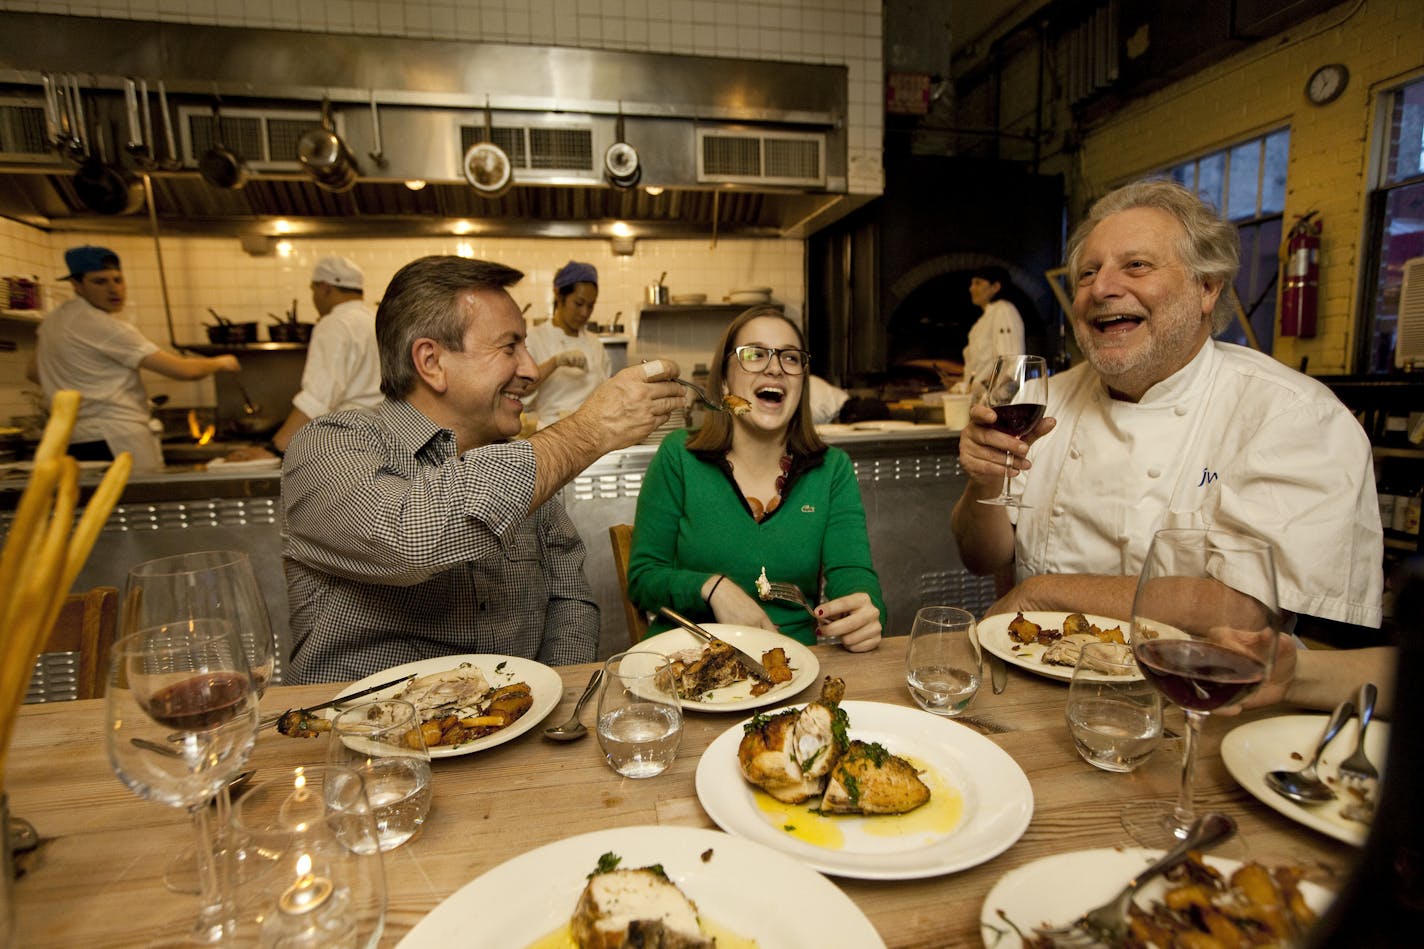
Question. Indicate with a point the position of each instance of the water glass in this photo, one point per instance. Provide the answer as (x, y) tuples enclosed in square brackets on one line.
[(310, 861), (639, 714), (944, 665), (1114, 715), (382, 742)]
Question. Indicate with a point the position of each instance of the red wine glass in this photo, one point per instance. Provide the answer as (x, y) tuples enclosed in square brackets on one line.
[(1205, 621), (1018, 394), (182, 717)]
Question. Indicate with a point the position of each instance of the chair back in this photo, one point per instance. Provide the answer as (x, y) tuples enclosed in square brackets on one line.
[(621, 537), (75, 660)]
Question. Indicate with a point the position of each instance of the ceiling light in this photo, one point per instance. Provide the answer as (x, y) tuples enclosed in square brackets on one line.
[(462, 227), (282, 226), (464, 249), (653, 190), (415, 184)]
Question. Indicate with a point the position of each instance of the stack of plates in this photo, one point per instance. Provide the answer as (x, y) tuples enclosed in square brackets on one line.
[(689, 299), (750, 295)]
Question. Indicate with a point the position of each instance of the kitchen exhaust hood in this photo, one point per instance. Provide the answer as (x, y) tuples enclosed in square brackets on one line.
[(724, 146)]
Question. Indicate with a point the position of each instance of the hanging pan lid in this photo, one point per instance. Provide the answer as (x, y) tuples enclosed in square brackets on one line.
[(620, 161), (487, 168)]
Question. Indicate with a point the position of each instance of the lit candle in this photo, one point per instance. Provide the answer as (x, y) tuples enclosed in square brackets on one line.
[(307, 893)]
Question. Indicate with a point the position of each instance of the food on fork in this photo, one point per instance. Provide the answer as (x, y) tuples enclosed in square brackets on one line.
[(736, 404), (635, 907), (763, 585)]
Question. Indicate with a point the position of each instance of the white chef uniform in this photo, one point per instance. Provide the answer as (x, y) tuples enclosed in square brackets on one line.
[(343, 368), (998, 332), (566, 387), (1233, 440)]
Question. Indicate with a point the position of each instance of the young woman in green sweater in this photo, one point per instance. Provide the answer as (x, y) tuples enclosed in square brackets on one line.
[(755, 491)]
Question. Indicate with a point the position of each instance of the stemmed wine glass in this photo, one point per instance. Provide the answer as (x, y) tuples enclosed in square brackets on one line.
[(182, 717), (1018, 394), (209, 584), (1205, 622)]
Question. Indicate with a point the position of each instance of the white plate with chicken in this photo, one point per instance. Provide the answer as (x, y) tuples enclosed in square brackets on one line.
[(719, 686), (995, 636), (740, 890), (974, 803), (440, 684), (1053, 891)]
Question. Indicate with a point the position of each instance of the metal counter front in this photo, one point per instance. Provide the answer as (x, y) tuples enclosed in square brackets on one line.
[(909, 480)]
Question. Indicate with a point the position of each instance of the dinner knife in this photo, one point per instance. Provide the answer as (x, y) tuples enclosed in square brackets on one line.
[(998, 672), (747, 659), (274, 719)]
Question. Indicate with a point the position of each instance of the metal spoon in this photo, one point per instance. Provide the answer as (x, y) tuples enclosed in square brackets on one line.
[(573, 729), (1305, 785), (248, 406)]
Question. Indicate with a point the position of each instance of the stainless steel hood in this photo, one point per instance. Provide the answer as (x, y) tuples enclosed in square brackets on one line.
[(735, 146)]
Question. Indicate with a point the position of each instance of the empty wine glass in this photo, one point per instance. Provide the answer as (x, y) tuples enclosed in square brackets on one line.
[(1018, 394), (209, 584), (1205, 622), (182, 717)]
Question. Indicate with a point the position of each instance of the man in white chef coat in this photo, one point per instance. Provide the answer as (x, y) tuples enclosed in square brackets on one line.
[(343, 369), (422, 530), (1164, 426)]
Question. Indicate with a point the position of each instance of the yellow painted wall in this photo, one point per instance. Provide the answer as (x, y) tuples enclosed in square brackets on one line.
[(1331, 147)]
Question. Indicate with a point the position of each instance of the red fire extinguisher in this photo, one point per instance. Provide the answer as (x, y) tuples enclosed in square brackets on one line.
[(1301, 288)]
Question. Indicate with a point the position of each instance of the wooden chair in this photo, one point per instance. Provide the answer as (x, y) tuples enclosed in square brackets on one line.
[(86, 626), (621, 537)]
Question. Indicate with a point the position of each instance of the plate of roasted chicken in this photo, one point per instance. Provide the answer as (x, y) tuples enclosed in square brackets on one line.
[(470, 703), (865, 789), (1049, 643), (712, 679), (647, 886)]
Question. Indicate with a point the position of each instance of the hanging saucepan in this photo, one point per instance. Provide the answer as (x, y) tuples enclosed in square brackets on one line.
[(323, 154), (486, 165), (101, 188), (219, 166), (620, 161)]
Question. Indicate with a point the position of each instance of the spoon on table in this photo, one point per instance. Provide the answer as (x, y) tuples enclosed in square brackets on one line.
[(1305, 785), (573, 729)]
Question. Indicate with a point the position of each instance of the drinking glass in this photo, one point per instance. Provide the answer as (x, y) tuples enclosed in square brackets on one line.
[(311, 858), (944, 665), (382, 742), (1204, 626), (182, 717), (1114, 716), (639, 714), (1018, 394), (209, 584)]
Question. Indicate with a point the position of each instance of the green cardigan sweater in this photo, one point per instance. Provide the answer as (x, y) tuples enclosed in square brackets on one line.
[(693, 522)]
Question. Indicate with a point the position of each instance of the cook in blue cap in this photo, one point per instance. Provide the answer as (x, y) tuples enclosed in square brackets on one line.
[(87, 259), (571, 359)]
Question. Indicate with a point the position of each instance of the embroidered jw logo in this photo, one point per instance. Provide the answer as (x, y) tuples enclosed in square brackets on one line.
[(1208, 476)]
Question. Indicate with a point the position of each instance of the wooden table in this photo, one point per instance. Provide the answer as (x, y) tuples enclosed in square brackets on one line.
[(96, 878)]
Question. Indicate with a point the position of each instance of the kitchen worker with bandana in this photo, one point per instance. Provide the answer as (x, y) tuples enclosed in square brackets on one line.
[(1165, 427), (572, 361)]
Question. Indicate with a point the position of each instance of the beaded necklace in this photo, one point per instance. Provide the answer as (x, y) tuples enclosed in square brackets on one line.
[(760, 510)]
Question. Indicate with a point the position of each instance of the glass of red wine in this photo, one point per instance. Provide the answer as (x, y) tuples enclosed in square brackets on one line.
[(182, 718), (1018, 394), (1205, 621)]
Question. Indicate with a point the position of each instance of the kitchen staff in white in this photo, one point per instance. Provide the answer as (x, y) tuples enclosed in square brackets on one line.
[(572, 361), (343, 369), (999, 331), (1165, 427), (86, 345)]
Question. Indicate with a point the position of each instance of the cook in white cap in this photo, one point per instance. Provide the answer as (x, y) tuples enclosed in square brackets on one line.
[(86, 345), (343, 369), (572, 361)]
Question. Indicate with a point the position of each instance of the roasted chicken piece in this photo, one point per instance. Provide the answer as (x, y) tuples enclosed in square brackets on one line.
[(870, 780), (299, 723), (778, 670), (789, 754), (626, 909), (1066, 651), (1022, 630), (736, 404), (711, 667)]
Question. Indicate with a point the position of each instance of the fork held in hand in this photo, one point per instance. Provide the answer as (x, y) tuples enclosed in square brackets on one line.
[(1107, 925), (701, 395), (790, 593)]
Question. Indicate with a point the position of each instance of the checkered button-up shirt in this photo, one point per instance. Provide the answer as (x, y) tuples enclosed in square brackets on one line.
[(398, 549)]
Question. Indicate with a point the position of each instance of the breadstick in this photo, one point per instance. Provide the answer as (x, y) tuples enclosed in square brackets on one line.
[(63, 409), (25, 531)]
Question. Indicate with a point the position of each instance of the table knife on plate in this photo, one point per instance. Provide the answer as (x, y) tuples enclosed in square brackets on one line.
[(998, 672), (752, 664), (271, 720)]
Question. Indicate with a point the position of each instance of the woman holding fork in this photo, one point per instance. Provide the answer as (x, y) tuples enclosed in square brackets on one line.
[(757, 490)]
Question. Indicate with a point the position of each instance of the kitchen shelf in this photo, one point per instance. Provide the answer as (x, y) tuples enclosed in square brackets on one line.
[(209, 349), (23, 316), (1385, 452), (710, 309)]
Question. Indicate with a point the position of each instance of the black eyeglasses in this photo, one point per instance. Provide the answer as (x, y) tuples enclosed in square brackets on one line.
[(793, 362)]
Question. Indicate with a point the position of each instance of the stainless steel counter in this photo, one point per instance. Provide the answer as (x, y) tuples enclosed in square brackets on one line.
[(909, 480)]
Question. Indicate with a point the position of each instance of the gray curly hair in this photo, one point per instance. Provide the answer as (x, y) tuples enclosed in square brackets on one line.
[(1209, 247)]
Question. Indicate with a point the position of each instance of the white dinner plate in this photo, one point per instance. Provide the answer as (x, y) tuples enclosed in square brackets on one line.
[(993, 792), (886, 425), (738, 886), (255, 464), (1054, 891), (994, 636), (1251, 750), (544, 684), (805, 668)]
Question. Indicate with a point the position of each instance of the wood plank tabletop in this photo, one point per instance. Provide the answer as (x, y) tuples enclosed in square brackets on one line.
[(96, 879)]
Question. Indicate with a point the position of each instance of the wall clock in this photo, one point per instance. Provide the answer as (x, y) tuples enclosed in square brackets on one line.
[(1327, 83)]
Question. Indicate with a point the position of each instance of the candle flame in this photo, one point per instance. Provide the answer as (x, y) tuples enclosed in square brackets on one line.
[(304, 864)]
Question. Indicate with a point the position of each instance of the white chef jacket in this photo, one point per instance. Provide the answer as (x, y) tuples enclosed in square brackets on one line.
[(343, 369), (1233, 440), (81, 347), (566, 387), (999, 331)]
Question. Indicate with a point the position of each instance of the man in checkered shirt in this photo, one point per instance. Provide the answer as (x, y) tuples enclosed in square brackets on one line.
[(422, 530)]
